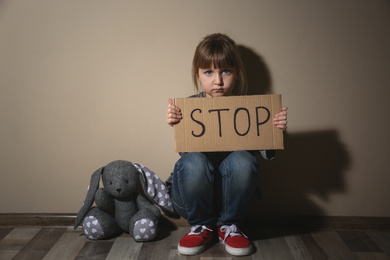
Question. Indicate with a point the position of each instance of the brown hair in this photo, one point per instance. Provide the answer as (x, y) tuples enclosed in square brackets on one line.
[(222, 52)]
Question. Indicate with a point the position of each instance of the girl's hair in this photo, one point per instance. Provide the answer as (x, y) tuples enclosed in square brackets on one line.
[(222, 52)]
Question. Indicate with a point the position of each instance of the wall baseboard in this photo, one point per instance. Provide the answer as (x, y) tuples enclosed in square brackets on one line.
[(37, 219), (321, 223), (271, 222)]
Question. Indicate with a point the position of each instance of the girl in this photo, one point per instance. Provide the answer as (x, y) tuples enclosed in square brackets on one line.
[(212, 191)]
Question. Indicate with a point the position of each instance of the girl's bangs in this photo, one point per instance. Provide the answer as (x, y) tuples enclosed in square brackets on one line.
[(219, 60)]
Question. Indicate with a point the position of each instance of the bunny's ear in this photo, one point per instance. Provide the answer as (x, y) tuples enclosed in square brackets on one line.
[(89, 197), (154, 188)]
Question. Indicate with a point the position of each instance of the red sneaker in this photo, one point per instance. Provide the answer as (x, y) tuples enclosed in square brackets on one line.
[(236, 243), (196, 240)]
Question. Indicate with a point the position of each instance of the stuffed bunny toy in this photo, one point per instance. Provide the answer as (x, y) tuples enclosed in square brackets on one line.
[(119, 207)]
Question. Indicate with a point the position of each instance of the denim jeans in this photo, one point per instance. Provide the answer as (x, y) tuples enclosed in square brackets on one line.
[(214, 188)]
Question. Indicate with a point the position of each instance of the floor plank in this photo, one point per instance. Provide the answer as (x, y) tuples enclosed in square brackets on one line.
[(382, 239), (15, 240), (124, 247), (68, 246), (333, 245), (4, 232), (159, 249), (97, 250), (216, 250), (175, 238), (40, 244), (273, 248), (372, 256), (298, 248), (66, 243), (358, 241), (217, 258), (18, 238), (314, 249)]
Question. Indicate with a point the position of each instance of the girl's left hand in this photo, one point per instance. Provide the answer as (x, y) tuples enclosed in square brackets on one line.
[(280, 119)]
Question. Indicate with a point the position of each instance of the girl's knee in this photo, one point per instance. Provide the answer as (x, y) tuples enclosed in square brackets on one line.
[(240, 168), (194, 157), (193, 172), (242, 161), (193, 163)]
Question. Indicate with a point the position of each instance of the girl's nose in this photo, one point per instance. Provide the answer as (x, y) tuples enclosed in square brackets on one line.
[(218, 79)]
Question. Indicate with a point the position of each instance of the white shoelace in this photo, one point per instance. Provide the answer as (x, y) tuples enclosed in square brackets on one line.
[(231, 230), (198, 229)]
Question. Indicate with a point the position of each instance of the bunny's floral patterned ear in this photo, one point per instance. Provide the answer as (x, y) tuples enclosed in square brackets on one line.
[(154, 188)]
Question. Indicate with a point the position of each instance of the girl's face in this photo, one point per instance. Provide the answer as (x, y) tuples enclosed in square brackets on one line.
[(217, 82)]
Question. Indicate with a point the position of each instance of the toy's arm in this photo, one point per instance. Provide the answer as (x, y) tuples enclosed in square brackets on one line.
[(104, 201), (143, 203)]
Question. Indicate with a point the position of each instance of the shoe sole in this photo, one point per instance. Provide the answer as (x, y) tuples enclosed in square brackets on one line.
[(190, 250), (236, 251)]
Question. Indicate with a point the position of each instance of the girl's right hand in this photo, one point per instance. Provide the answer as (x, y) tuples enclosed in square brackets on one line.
[(173, 113)]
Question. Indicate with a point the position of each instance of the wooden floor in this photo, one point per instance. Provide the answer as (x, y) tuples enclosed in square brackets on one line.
[(66, 243)]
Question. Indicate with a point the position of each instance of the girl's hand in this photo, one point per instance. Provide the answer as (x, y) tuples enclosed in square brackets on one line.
[(280, 119), (173, 113)]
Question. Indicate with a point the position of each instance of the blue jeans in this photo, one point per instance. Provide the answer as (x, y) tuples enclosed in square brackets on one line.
[(214, 188)]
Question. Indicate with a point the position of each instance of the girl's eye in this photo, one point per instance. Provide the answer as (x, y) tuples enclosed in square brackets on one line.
[(226, 71), (208, 72)]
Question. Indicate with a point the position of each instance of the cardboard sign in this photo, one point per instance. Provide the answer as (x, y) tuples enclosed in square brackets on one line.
[(228, 124)]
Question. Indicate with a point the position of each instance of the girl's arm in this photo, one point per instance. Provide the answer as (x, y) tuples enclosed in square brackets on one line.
[(173, 113), (280, 119)]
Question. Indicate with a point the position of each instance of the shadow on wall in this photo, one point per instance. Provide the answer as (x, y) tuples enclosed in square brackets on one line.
[(258, 76), (312, 163)]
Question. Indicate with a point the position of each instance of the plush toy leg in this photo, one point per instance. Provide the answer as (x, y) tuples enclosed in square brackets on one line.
[(143, 226), (100, 225), (145, 229)]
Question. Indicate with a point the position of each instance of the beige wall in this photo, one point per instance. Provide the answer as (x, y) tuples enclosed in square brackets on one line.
[(86, 82)]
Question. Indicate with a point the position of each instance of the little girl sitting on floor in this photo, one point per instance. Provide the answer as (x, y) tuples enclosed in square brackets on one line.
[(213, 190)]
